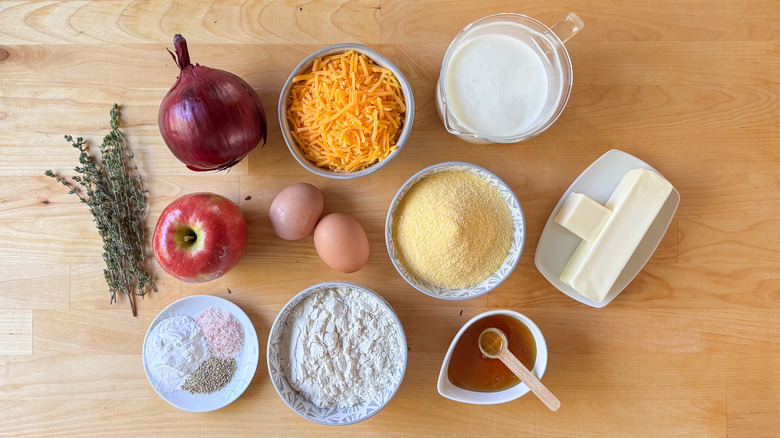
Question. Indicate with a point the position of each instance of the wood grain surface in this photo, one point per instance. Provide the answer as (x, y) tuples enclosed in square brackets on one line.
[(689, 349)]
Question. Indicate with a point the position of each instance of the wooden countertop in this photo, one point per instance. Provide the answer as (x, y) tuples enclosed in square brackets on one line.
[(690, 348)]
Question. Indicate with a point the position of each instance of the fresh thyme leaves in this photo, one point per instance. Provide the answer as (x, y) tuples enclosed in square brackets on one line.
[(111, 187)]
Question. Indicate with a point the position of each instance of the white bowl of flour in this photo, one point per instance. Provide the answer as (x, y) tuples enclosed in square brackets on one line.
[(336, 353)]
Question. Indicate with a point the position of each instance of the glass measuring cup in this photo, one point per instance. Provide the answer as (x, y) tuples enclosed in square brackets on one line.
[(505, 78)]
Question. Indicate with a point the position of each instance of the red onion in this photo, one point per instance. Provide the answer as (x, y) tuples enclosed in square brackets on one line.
[(210, 119)]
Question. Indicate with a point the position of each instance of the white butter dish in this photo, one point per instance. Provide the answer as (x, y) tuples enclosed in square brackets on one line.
[(598, 181)]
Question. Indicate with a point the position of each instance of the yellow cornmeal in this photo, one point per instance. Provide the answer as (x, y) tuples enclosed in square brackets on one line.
[(452, 229)]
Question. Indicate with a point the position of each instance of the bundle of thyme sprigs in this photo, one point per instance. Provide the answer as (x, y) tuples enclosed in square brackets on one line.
[(111, 187)]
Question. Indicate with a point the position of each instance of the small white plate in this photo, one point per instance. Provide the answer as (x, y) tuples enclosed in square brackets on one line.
[(598, 181), (246, 362)]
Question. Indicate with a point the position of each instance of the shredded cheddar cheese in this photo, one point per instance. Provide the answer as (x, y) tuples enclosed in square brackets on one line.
[(346, 112)]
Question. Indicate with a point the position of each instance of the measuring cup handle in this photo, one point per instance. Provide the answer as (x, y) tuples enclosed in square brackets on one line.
[(568, 27)]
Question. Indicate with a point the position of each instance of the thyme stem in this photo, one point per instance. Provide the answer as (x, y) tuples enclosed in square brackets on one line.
[(111, 187)]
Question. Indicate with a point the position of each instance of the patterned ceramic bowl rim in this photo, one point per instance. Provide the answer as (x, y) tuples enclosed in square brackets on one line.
[(299, 404), (379, 60), (515, 250)]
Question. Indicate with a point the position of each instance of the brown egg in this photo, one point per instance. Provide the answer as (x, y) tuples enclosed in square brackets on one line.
[(295, 211), (341, 242)]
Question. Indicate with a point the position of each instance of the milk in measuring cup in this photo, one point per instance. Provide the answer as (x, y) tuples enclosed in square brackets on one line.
[(497, 85)]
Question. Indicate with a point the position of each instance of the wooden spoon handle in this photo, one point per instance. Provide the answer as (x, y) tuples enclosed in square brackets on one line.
[(534, 384)]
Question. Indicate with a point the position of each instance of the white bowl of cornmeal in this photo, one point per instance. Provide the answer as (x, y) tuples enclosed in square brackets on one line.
[(455, 231)]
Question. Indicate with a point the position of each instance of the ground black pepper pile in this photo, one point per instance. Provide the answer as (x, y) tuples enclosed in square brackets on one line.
[(211, 376)]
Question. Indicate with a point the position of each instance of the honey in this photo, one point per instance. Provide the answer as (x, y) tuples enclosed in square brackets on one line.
[(470, 369)]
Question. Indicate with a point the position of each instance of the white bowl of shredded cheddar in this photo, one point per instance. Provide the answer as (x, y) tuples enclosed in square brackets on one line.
[(345, 111), (455, 231)]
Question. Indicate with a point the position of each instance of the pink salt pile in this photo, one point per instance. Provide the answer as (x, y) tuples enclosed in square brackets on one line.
[(223, 331)]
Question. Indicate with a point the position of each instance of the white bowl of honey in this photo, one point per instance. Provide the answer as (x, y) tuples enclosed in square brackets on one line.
[(467, 376)]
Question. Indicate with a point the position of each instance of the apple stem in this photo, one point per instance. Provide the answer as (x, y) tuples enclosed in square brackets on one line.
[(189, 237)]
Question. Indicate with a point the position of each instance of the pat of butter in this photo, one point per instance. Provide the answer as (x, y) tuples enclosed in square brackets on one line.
[(594, 266), (583, 216)]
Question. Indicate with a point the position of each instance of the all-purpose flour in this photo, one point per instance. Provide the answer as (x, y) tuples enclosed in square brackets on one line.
[(343, 347), (174, 349)]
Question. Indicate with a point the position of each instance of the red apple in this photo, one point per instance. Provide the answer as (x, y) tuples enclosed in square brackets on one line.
[(199, 237)]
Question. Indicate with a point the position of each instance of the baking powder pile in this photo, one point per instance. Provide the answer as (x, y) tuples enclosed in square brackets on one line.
[(343, 347), (175, 348)]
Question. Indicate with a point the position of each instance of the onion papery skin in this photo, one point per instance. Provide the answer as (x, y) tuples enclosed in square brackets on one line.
[(210, 119)]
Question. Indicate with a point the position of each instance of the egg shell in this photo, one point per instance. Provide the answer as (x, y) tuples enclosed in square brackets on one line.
[(295, 211), (341, 242)]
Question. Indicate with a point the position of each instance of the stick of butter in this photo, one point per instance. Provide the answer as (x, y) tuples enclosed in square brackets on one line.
[(583, 216), (594, 266)]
